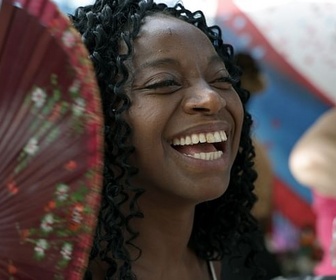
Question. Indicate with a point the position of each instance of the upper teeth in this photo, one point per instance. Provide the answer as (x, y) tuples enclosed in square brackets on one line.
[(210, 137)]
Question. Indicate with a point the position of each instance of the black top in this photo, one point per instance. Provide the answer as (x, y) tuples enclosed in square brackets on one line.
[(308, 278)]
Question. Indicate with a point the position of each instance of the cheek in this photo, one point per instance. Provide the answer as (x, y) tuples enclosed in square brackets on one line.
[(237, 111), (144, 109), (149, 115), (240, 116), (144, 120), (143, 127)]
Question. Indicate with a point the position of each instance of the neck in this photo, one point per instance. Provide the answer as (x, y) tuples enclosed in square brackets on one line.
[(164, 234), (165, 228)]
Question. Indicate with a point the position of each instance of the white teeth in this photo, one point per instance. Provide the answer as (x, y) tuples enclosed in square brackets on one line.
[(202, 138), (210, 137), (223, 135), (176, 142), (194, 138), (217, 137), (188, 140), (207, 156)]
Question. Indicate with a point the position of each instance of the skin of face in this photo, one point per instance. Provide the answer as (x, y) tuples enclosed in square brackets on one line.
[(178, 87)]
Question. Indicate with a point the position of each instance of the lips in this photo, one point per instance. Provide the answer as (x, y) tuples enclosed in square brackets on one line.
[(203, 146)]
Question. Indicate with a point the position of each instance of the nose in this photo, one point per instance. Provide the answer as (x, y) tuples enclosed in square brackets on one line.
[(203, 99)]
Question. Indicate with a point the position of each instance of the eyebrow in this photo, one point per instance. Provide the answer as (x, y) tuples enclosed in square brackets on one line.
[(170, 61), (158, 62)]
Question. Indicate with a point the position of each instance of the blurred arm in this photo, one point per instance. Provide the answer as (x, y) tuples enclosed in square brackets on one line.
[(313, 158)]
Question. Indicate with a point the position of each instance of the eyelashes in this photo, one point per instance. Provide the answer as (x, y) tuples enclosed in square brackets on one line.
[(171, 85), (228, 79), (168, 83), (162, 84), (224, 83)]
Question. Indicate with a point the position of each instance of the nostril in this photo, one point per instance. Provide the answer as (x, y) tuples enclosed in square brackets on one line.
[(200, 109)]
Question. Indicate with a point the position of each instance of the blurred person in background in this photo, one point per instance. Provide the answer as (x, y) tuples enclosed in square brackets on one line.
[(313, 164)]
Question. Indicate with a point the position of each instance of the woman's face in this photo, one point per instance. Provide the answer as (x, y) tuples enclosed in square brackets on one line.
[(185, 116)]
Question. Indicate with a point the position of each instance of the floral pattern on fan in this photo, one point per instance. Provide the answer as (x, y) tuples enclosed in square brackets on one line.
[(39, 97), (48, 109), (65, 208), (56, 214), (57, 238)]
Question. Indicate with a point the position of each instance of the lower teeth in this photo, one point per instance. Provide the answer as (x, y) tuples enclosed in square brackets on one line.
[(207, 156)]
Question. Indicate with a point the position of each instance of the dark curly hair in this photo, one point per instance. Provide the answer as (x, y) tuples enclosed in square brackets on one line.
[(219, 224)]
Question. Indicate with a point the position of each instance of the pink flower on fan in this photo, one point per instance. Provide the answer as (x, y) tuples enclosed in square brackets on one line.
[(12, 270), (12, 187), (68, 39), (50, 206), (39, 97), (56, 112), (24, 234), (32, 147), (71, 165)]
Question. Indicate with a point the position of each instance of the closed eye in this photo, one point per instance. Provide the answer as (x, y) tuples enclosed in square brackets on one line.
[(162, 84), (224, 82)]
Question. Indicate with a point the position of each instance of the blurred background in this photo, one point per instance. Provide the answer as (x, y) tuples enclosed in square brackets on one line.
[(292, 44), (68, 6)]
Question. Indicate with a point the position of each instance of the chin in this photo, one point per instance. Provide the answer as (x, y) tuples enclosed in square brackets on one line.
[(213, 192)]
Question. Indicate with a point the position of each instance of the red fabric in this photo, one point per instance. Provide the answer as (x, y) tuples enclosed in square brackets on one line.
[(291, 205)]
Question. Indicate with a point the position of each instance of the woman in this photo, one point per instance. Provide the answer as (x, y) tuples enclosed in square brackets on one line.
[(178, 156)]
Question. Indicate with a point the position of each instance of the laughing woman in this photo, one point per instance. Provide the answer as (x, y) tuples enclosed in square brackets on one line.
[(178, 156)]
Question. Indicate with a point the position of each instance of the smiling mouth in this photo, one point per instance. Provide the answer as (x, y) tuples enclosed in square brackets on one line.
[(203, 146)]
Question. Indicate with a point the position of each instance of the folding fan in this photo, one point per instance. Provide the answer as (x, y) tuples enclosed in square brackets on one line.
[(50, 144)]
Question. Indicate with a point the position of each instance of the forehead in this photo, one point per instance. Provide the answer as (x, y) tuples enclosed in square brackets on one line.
[(164, 25), (165, 34)]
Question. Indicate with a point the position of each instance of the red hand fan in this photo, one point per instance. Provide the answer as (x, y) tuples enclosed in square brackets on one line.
[(50, 144)]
